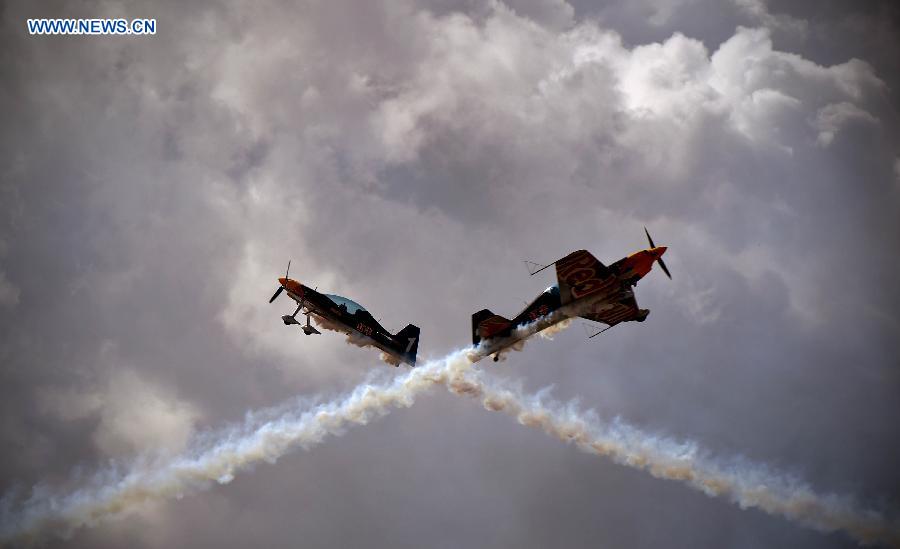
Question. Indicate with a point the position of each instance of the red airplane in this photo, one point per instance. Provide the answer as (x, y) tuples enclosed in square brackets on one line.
[(585, 288)]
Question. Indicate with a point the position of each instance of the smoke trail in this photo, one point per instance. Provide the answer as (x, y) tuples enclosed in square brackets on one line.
[(521, 334), (355, 338), (546, 326), (270, 435), (263, 437), (548, 333), (746, 484)]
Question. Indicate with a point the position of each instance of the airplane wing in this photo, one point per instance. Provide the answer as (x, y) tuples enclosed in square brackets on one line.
[(580, 274), (621, 311)]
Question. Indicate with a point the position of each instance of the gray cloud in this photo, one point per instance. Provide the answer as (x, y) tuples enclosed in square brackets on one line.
[(410, 156)]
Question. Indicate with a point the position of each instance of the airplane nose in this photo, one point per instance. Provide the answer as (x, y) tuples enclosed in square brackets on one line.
[(291, 285), (660, 250)]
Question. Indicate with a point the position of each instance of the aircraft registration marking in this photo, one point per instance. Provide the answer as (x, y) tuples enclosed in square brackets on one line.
[(539, 312)]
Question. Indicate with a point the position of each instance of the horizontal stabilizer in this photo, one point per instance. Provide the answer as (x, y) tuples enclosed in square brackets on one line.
[(486, 324)]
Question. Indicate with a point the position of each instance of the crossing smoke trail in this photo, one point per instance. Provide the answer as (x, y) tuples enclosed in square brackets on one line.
[(280, 431)]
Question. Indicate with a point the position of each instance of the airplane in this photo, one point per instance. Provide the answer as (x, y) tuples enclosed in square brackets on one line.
[(345, 315), (585, 288)]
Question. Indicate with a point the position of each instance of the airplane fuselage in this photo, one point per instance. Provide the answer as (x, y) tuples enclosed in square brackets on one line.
[(544, 316)]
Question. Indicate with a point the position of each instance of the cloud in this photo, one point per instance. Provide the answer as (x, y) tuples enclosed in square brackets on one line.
[(9, 294), (553, 14), (758, 10), (409, 155), (833, 117), (133, 416)]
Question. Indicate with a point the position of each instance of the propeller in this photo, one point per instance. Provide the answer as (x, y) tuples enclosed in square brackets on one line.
[(281, 288), (277, 293), (659, 259)]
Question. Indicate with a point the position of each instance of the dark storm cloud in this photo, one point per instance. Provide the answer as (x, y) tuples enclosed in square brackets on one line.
[(154, 189)]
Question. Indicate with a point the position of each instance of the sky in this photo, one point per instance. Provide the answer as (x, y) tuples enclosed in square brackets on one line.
[(410, 155)]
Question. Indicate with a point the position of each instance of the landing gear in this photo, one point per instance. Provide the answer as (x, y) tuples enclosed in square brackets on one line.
[(308, 329), (497, 357), (292, 319)]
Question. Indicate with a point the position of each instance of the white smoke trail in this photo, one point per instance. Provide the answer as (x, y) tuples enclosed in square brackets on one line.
[(548, 333), (265, 436), (219, 458), (355, 338), (547, 326), (260, 439), (521, 334), (747, 484)]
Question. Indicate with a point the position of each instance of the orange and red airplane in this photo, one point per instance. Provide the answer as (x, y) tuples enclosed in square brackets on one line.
[(585, 288)]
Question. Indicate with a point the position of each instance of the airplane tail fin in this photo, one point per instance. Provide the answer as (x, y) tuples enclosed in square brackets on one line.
[(408, 340), (486, 324)]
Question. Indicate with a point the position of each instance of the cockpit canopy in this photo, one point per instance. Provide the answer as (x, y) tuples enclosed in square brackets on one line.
[(351, 305)]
